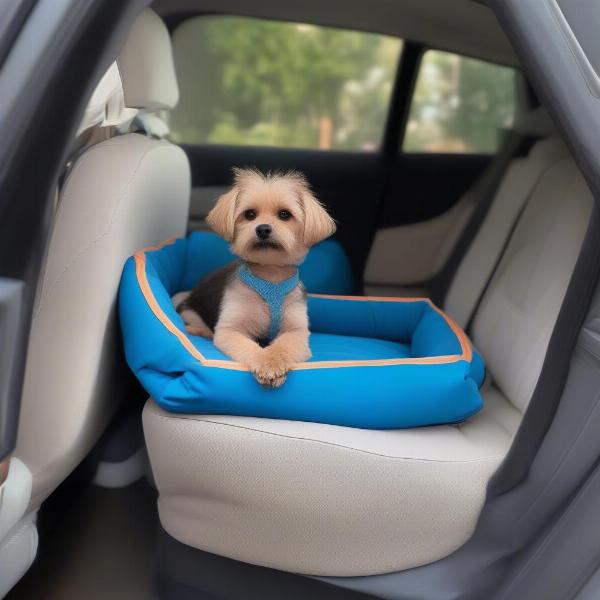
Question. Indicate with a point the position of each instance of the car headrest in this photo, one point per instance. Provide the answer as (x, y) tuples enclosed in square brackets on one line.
[(106, 107), (535, 122), (146, 65)]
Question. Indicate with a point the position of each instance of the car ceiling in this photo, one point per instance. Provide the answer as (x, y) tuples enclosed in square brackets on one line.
[(463, 26)]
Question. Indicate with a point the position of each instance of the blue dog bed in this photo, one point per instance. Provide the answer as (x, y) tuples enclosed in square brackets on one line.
[(379, 363)]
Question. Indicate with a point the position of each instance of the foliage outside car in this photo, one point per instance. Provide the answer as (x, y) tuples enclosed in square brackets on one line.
[(254, 82)]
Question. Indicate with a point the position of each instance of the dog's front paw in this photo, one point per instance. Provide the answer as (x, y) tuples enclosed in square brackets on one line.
[(272, 370), (268, 376)]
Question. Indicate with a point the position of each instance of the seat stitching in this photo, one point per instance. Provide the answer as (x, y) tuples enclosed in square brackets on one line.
[(324, 443)]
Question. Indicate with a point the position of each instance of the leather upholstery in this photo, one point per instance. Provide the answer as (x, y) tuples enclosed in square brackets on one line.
[(426, 246), (326, 500), (120, 195), (320, 499), (423, 248), (519, 182), (517, 315)]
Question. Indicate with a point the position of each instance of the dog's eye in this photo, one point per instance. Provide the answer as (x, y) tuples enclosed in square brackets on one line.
[(285, 215), (250, 215)]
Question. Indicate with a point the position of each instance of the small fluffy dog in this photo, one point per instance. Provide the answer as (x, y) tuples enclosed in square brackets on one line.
[(271, 222)]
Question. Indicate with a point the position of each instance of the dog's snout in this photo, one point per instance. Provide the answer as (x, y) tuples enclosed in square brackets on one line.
[(263, 231)]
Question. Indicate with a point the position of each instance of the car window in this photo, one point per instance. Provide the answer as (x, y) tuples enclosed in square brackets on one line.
[(459, 105), (250, 81)]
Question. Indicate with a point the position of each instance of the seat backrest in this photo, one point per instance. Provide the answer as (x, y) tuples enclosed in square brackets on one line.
[(121, 194), (518, 312), (517, 186), (404, 257)]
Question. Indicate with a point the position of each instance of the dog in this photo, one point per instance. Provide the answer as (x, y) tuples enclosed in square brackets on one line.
[(255, 309)]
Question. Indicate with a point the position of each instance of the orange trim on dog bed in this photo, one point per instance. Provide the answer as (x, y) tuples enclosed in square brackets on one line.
[(184, 340), (465, 344)]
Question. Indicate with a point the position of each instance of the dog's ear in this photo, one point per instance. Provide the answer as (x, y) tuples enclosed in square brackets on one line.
[(221, 218), (318, 225)]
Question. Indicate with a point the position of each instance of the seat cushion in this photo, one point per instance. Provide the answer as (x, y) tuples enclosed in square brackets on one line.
[(322, 499)]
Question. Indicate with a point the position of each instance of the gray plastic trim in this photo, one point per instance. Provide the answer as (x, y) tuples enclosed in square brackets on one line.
[(591, 589), (565, 559), (11, 296), (577, 13), (587, 70)]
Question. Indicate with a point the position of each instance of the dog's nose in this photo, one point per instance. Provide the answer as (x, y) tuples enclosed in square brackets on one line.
[(263, 231)]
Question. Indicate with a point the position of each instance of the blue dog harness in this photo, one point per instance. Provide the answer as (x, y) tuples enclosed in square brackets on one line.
[(272, 293)]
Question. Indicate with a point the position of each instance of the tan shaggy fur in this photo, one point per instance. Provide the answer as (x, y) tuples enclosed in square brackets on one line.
[(244, 316)]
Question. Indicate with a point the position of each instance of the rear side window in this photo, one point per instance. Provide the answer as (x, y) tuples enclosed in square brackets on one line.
[(459, 105), (246, 81)]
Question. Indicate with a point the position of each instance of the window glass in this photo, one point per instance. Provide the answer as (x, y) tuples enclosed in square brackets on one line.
[(256, 82), (459, 105)]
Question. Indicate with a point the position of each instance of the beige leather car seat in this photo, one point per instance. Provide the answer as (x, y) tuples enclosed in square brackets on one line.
[(120, 195), (328, 500), (426, 246)]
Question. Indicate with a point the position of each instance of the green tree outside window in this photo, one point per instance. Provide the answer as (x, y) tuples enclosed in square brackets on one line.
[(246, 81), (256, 82), (459, 105)]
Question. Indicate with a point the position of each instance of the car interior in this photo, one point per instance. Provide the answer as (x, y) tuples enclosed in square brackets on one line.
[(423, 129)]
